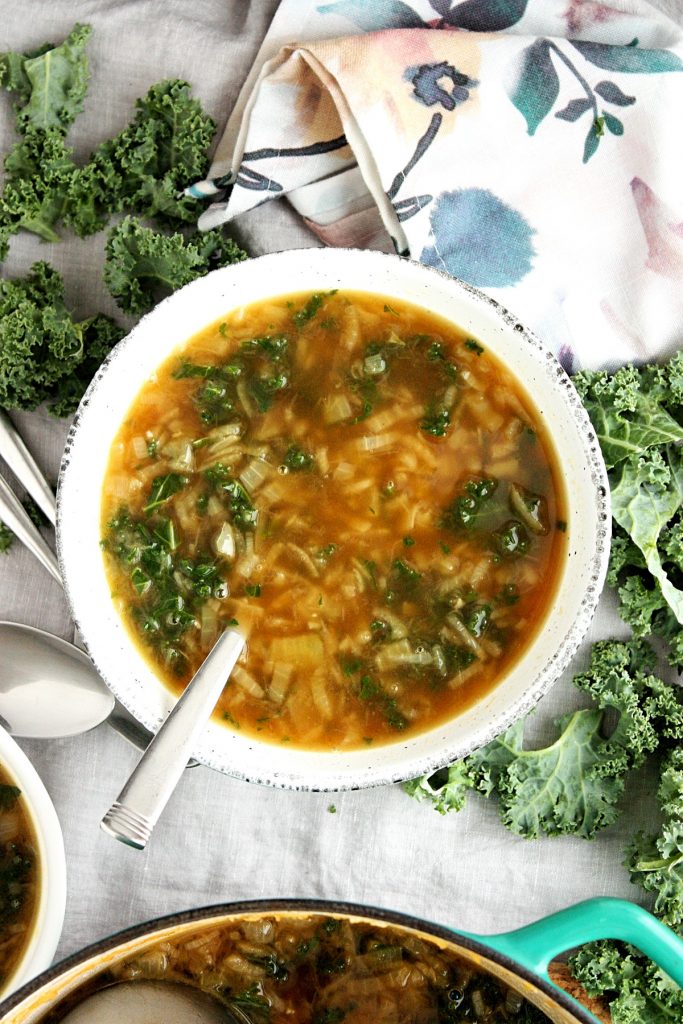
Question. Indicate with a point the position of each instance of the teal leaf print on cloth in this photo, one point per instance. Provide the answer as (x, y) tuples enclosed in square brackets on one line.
[(473, 15), (485, 15), (375, 15), (629, 59), (611, 92), (538, 86), (479, 238)]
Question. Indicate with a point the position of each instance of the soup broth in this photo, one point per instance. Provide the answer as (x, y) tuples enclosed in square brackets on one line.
[(323, 970), (18, 877), (359, 487)]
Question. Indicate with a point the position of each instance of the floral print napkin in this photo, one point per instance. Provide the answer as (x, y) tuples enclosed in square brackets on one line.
[(530, 147)]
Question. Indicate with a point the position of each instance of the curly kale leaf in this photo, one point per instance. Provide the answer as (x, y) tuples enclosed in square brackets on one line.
[(6, 538), (647, 492), (627, 408), (39, 171), (49, 84), (145, 168), (446, 789), (573, 786), (44, 354), (636, 990), (655, 862), (37, 517), (143, 265)]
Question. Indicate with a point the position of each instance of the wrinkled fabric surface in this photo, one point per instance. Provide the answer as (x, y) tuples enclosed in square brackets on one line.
[(524, 147), (220, 839)]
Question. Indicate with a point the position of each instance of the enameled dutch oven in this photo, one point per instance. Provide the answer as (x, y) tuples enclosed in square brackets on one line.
[(519, 958)]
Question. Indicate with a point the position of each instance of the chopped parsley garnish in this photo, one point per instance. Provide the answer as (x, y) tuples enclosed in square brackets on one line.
[(474, 346)]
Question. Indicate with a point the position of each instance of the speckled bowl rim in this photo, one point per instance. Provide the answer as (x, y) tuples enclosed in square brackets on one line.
[(565, 649), (145, 930)]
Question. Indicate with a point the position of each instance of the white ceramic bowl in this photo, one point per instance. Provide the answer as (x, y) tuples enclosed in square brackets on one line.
[(205, 301), (49, 917)]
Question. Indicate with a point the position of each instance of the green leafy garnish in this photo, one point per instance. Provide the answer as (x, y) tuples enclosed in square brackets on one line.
[(573, 786), (6, 538), (50, 84), (163, 488), (221, 480), (435, 421), (45, 355), (307, 312), (143, 266), (465, 511), (297, 459), (370, 690), (631, 410)]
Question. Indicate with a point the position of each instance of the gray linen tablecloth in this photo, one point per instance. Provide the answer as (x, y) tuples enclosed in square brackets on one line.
[(221, 839)]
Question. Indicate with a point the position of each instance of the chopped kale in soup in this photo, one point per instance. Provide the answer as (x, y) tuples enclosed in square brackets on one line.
[(18, 877), (358, 486), (323, 970)]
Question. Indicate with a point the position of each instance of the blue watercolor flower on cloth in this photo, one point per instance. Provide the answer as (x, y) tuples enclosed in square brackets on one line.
[(537, 84), (479, 238), (440, 83)]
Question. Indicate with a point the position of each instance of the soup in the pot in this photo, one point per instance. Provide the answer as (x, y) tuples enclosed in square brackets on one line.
[(358, 486), (18, 877), (323, 970)]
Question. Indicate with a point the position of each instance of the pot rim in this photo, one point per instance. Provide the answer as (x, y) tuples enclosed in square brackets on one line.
[(407, 762), (146, 929)]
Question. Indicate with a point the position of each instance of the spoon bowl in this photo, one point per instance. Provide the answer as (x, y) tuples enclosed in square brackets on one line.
[(145, 1002), (48, 687)]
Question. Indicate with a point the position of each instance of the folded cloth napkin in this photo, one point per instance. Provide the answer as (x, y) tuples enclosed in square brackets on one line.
[(530, 147)]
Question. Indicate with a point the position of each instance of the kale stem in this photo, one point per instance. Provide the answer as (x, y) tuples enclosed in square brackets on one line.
[(578, 76)]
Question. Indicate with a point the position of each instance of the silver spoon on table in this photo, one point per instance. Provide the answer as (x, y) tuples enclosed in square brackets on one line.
[(139, 1002), (48, 687)]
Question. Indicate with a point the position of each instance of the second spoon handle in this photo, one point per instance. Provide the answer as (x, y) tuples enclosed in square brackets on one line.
[(140, 803), (17, 519), (23, 465)]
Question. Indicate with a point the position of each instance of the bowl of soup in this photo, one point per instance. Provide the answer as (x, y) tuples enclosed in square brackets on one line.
[(32, 870), (374, 472), (299, 961)]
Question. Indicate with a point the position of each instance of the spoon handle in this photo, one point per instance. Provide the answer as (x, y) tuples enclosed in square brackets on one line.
[(16, 518), (23, 465), (140, 803)]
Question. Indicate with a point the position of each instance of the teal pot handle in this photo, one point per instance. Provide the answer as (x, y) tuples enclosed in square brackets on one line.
[(604, 918)]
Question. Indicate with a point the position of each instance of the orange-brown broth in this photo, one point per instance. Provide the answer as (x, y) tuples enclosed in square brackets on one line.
[(299, 680), (18, 877)]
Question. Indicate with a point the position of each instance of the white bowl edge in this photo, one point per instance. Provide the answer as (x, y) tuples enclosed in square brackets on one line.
[(170, 325)]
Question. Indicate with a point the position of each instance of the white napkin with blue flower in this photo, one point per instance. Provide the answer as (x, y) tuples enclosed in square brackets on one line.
[(530, 147)]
